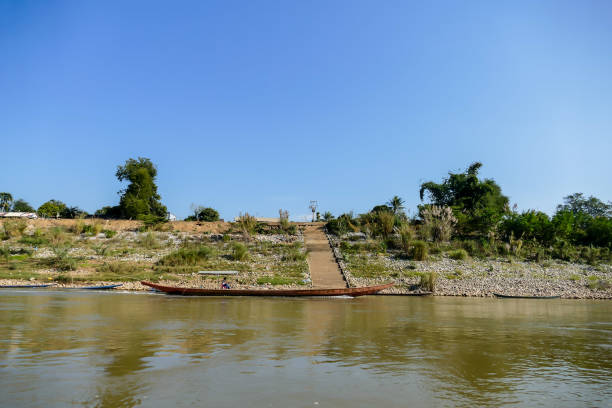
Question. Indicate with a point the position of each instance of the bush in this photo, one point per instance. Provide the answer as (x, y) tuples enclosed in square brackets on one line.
[(148, 241), (62, 279), (108, 233), (406, 234), (13, 228), (187, 256), (36, 239), (420, 251), (428, 281), (239, 252), (62, 261), (118, 268), (247, 223), (458, 254), (294, 253)]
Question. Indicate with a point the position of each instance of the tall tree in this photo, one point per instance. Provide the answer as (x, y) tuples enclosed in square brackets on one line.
[(592, 206), (52, 209), (22, 205), (140, 198), (477, 204), (397, 204), (6, 199)]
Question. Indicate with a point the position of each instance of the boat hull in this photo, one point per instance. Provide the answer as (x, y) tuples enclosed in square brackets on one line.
[(499, 295), (24, 286), (105, 287), (353, 292)]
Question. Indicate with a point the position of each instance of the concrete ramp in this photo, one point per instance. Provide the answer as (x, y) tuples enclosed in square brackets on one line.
[(324, 270)]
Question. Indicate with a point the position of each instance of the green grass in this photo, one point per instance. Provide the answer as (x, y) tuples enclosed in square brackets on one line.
[(458, 254)]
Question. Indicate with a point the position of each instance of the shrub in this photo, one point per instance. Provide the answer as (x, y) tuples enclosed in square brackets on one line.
[(100, 250), (428, 281), (385, 221), (594, 283), (62, 261), (187, 256), (118, 268), (226, 238), (438, 222), (294, 253), (92, 229), (239, 252), (247, 223), (36, 239), (148, 241), (420, 251), (62, 279), (13, 228), (406, 234), (458, 254), (108, 233)]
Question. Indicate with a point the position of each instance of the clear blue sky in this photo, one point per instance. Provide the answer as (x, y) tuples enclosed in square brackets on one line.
[(257, 105)]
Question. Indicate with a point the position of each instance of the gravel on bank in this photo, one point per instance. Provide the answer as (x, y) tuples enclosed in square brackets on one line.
[(484, 278)]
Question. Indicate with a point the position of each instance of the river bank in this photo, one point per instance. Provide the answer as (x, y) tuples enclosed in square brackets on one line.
[(74, 253), (476, 277)]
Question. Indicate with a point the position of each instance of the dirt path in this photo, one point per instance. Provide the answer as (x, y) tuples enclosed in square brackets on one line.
[(324, 270)]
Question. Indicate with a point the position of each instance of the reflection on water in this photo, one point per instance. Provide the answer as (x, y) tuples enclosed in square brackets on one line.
[(70, 348)]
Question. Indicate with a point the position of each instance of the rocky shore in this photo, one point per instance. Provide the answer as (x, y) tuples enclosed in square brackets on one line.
[(483, 278)]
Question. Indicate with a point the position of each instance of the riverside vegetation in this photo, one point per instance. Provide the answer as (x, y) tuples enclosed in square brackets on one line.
[(94, 251), (467, 241), (463, 240)]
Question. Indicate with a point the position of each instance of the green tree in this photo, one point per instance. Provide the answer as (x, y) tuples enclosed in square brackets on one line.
[(592, 206), (52, 209), (203, 214), (529, 225), (140, 199), (397, 205), (6, 199), (477, 204), (22, 205)]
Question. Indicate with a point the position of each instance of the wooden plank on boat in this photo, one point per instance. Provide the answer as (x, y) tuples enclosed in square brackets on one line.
[(218, 272), (499, 295), (352, 292)]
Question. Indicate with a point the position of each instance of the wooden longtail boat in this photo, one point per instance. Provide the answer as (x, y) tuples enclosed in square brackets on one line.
[(353, 292), (26, 286), (105, 287), (524, 297)]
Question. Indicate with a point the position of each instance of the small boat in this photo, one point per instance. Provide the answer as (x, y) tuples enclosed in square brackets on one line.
[(352, 292), (105, 287), (524, 297), (25, 286)]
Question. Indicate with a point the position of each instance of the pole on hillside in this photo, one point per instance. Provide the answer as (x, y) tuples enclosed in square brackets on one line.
[(313, 207)]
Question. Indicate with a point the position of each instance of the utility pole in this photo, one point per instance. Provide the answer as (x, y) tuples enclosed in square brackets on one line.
[(313, 207)]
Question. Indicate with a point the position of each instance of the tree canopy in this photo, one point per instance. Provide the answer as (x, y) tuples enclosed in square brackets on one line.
[(52, 209), (6, 199), (577, 203), (477, 204), (203, 214), (22, 205), (139, 199)]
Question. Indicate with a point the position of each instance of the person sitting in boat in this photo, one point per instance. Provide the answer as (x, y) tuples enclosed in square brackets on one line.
[(224, 284)]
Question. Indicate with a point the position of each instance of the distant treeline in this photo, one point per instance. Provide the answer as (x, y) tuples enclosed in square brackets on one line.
[(466, 208)]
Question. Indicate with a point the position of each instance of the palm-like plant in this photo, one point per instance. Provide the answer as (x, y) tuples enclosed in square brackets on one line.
[(6, 199), (396, 204)]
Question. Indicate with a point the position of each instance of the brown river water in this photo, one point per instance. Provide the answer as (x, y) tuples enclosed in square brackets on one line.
[(61, 348)]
